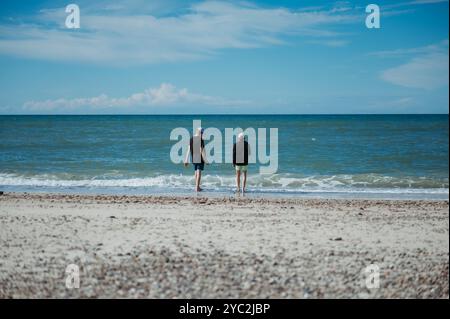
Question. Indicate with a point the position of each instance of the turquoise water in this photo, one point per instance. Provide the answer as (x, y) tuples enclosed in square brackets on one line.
[(360, 155)]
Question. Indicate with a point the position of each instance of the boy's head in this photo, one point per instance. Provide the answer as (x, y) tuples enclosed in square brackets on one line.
[(200, 130)]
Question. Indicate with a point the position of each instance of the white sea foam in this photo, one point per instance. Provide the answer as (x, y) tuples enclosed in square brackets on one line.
[(289, 183)]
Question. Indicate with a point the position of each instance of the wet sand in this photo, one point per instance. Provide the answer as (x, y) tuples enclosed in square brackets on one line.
[(195, 247)]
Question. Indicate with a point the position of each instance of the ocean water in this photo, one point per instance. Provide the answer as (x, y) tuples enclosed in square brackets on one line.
[(384, 156)]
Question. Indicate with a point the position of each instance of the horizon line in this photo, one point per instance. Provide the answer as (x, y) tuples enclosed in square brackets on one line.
[(222, 114)]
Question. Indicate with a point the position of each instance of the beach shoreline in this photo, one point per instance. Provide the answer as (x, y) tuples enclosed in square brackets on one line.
[(213, 197), (230, 192), (221, 247)]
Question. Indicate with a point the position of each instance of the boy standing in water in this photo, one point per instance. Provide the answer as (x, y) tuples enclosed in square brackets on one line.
[(198, 156), (241, 151)]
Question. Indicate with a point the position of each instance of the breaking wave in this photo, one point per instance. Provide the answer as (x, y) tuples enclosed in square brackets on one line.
[(277, 183)]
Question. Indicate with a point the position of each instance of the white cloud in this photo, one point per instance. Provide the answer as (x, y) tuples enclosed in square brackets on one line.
[(413, 3), (400, 102), (164, 95), (428, 69), (330, 43), (139, 37), (440, 47)]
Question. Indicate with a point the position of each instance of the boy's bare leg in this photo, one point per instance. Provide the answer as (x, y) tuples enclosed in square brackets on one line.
[(245, 181), (198, 177), (238, 180), (196, 180), (199, 180)]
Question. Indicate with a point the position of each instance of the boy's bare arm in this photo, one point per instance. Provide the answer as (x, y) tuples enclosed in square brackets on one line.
[(186, 160), (204, 156)]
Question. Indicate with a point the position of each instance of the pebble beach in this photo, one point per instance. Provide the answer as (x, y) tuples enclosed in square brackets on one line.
[(230, 247)]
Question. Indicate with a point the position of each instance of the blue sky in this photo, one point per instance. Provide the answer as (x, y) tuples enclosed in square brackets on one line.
[(184, 57)]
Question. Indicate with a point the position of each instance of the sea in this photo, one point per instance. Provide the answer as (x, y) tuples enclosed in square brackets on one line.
[(326, 156)]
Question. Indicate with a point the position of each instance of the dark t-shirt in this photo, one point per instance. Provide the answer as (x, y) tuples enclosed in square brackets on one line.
[(239, 147), (200, 144)]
